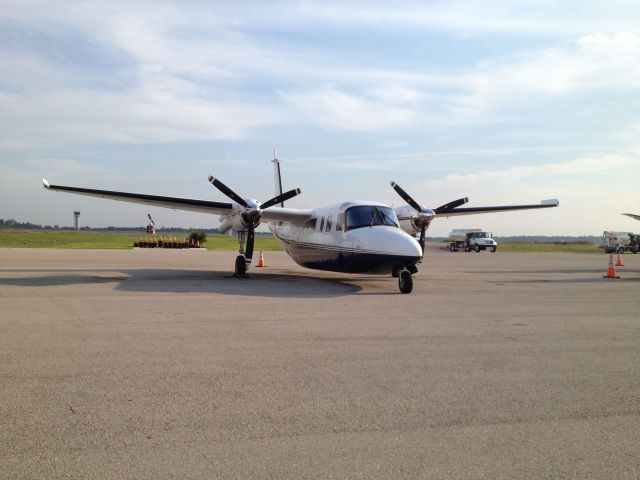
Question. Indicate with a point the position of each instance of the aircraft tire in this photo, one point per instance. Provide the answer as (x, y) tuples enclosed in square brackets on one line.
[(241, 266), (405, 281)]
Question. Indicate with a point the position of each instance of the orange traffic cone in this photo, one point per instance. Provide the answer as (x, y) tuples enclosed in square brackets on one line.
[(611, 272), (261, 261), (619, 262)]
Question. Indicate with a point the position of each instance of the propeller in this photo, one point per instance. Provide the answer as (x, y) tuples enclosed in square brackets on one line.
[(426, 214), (151, 219), (252, 213)]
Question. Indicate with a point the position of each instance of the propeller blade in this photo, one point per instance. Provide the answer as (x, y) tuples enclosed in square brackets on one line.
[(283, 197), (250, 239), (228, 192), (406, 197), (451, 205)]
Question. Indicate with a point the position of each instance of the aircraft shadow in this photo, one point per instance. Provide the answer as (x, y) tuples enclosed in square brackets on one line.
[(192, 281)]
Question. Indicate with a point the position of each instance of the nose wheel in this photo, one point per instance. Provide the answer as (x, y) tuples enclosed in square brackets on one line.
[(405, 281)]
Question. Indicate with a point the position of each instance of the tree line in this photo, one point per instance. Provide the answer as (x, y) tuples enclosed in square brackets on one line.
[(12, 224)]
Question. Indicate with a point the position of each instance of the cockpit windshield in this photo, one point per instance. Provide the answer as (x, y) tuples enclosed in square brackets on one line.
[(370, 216)]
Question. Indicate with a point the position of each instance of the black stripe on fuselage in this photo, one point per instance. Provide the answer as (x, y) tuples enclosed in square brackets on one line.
[(345, 260)]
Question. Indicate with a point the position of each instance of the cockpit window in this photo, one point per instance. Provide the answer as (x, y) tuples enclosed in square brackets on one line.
[(370, 216)]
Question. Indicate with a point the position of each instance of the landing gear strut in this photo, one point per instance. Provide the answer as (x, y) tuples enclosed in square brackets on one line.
[(244, 259)]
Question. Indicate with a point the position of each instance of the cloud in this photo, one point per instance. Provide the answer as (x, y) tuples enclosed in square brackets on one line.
[(591, 63), (148, 72), (136, 117), (334, 109), (593, 191), (591, 166), (466, 17)]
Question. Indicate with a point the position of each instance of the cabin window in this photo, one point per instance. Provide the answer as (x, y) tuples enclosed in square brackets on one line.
[(370, 216), (310, 225), (321, 225), (340, 223), (328, 225)]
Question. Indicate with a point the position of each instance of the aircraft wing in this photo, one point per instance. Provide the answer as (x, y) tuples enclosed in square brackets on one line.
[(632, 215), (286, 215), (201, 206), (502, 208)]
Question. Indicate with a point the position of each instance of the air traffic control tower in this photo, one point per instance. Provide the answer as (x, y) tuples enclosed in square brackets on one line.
[(76, 218)]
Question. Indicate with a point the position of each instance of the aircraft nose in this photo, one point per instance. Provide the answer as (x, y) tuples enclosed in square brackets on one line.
[(400, 243), (410, 246)]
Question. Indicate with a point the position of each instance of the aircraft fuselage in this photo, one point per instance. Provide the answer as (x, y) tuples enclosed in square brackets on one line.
[(353, 237)]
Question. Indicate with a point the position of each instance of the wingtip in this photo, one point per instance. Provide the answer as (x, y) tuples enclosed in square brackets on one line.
[(45, 183), (552, 202)]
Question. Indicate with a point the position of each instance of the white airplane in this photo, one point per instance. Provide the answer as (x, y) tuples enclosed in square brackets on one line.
[(350, 237)]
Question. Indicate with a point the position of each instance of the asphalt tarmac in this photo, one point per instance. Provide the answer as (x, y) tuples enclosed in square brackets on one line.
[(154, 364)]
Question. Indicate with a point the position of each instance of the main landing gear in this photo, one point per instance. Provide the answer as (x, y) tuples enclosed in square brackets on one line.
[(250, 212), (241, 267), (243, 261)]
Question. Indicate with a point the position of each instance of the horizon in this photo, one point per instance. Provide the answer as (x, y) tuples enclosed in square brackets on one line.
[(160, 229), (506, 103)]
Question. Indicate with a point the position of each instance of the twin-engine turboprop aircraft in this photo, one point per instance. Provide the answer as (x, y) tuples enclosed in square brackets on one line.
[(350, 237)]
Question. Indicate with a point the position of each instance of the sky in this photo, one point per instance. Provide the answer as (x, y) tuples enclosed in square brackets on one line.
[(503, 102)]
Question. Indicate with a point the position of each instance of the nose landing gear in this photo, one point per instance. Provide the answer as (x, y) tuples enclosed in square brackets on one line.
[(405, 281), (404, 275)]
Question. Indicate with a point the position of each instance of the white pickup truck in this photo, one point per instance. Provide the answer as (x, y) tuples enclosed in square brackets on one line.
[(468, 239)]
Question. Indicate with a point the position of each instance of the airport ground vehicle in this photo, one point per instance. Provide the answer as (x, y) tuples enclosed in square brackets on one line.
[(619, 242), (468, 239)]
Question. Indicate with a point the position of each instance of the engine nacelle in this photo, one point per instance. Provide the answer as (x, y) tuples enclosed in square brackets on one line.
[(410, 220), (238, 222)]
